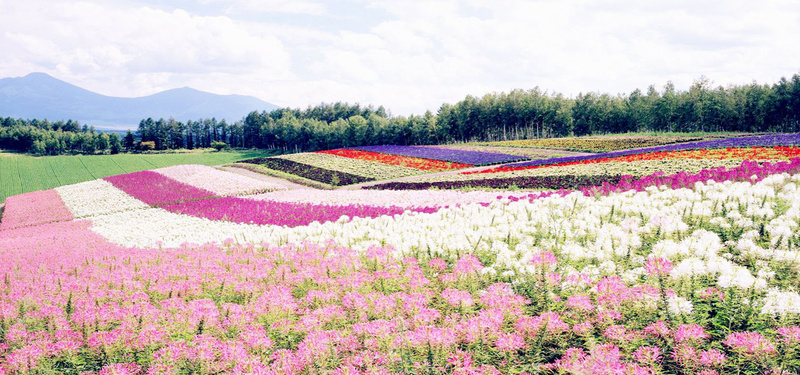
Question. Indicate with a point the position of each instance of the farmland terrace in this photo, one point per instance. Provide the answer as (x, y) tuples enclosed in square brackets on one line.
[(666, 256)]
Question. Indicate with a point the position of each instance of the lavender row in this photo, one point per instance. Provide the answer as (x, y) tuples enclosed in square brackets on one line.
[(759, 141), (444, 154)]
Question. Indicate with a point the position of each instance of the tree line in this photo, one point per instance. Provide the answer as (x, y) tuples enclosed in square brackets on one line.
[(55, 138), (518, 114)]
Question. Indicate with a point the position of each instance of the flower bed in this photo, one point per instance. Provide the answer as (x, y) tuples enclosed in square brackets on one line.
[(418, 164), (455, 156), (156, 189), (98, 197), (687, 280), (34, 208), (327, 176), (239, 210), (366, 168), (219, 182), (595, 144), (569, 182), (409, 198), (788, 140), (751, 153)]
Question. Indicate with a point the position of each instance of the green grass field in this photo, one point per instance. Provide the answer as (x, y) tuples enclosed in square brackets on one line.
[(21, 173)]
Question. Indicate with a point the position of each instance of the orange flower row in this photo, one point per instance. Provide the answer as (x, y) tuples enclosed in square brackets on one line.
[(403, 161), (751, 153)]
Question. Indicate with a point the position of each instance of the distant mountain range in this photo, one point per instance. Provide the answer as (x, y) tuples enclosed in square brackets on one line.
[(40, 96)]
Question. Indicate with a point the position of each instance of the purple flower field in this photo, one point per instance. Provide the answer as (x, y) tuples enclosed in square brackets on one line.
[(456, 156)]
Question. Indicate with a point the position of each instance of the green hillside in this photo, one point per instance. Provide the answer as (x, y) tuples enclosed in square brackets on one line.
[(22, 173)]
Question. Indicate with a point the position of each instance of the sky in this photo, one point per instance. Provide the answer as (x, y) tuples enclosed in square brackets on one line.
[(407, 55)]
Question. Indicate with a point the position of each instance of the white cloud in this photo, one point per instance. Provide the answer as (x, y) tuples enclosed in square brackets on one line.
[(408, 55)]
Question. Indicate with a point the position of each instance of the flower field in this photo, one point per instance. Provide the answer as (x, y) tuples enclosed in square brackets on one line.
[(474, 158), (595, 144), (191, 270)]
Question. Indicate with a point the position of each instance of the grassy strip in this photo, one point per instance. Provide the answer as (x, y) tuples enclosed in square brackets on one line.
[(335, 178), (278, 174), (23, 173), (569, 182)]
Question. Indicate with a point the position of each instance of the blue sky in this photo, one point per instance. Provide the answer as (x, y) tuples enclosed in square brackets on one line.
[(408, 55)]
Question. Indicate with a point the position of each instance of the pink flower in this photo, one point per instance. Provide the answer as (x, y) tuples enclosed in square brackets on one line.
[(647, 355), (544, 259), (712, 357), (438, 264), (509, 342), (467, 265), (751, 343), (121, 369), (579, 302), (582, 329), (658, 266), (790, 335), (658, 329), (458, 298), (690, 332)]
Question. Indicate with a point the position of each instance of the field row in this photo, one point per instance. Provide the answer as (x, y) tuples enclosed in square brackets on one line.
[(22, 173), (682, 273)]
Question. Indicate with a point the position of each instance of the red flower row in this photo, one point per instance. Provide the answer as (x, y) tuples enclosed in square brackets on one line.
[(403, 161)]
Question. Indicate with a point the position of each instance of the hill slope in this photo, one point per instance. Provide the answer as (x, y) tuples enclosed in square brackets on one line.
[(41, 96)]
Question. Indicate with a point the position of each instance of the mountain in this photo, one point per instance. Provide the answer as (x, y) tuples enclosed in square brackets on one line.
[(40, 96)]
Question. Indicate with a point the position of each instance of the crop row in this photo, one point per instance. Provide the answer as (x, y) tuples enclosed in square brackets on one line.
[(327, 176), (451, 155), (595, 144), (729, 153), (530, 153), (788, 140), (365, 168), (570, 182), (219, 182), (416, 163)]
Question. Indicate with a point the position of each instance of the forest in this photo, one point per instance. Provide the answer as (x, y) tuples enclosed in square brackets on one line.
[(518, 114)]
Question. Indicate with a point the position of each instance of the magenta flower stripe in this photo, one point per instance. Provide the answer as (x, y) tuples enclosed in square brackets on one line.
[(156, 189), (290, 214)]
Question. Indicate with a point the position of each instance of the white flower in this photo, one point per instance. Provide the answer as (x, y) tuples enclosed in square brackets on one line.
[(780, 303), (680, 306), (740, 277)]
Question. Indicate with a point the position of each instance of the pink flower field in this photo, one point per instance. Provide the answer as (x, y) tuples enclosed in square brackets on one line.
[(174, 273)]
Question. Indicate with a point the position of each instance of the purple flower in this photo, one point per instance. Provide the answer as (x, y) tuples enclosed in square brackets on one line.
[(451, 155)]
